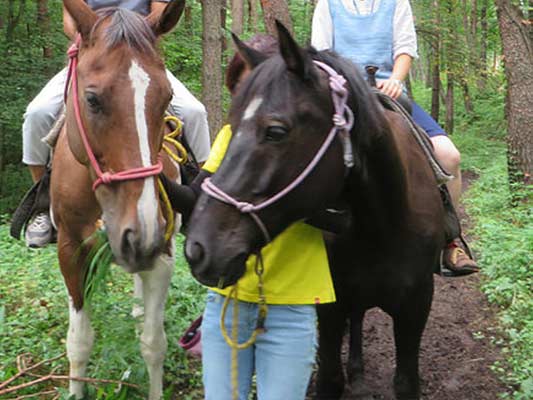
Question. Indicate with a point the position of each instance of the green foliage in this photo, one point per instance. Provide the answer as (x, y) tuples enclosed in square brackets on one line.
[(34, 318), (503, 238)]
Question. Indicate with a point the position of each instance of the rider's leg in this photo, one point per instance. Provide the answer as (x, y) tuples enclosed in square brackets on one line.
[(455, 258), (194, 116), (39, 118), (450, 159)]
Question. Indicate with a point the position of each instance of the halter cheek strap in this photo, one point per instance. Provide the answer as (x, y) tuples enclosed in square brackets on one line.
[(343, 120), (102, 177)]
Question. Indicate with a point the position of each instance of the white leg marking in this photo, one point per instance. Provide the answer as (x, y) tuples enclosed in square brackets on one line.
[(252, 108), (155, 286), (147, 205), (80, 338)]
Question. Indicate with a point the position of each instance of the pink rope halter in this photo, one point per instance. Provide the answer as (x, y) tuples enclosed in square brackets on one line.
[(102, 177), (343, 120)]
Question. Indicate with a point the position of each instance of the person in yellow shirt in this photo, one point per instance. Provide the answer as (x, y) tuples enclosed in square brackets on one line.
[(296, 277)]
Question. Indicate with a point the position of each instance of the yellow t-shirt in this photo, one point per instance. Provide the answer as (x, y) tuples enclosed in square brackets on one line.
[(296, 269)]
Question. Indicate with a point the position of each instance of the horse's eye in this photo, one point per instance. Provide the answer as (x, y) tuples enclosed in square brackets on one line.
[(276, 133), (94, 102)]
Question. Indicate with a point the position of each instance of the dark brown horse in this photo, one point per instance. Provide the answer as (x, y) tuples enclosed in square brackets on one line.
[(120, 92), (280, 119)]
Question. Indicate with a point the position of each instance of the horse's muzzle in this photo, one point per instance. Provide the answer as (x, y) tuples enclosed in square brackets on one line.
[(214, 274)]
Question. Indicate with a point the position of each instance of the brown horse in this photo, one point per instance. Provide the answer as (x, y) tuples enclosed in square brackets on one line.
[(281, 119), (121, 97)]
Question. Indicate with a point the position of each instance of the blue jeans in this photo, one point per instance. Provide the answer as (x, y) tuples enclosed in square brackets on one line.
[(282, 357)]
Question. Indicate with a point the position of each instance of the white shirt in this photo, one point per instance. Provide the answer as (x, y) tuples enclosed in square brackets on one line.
[(404, 35)]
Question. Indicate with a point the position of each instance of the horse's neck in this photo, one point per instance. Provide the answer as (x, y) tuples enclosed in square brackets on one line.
[(378, 193)]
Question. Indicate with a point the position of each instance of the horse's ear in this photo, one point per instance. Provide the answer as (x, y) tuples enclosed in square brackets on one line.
[(295, 57), (83, 16), (251, 57), (168, 19)]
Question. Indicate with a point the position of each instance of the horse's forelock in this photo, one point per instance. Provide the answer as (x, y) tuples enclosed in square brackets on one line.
[(128, 27)]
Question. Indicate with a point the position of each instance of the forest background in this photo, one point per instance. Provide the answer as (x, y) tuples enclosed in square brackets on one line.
[(474, 73)]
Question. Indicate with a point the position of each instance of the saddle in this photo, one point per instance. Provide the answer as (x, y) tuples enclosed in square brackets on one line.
[(37, 199)]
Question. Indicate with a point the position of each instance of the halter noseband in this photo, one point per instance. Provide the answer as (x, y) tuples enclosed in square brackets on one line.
[(343, 120), (102, 177)]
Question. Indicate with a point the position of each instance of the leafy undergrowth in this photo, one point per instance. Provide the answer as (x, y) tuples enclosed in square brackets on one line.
[(504, 240), (34, 319)]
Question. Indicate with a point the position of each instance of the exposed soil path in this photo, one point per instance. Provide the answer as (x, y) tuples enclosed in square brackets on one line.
[(454, 365)]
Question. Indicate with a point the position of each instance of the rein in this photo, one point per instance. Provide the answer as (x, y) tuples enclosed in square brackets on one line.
[(343, 120), (102, 177)]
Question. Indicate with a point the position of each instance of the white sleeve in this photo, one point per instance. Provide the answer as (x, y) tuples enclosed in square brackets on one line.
[(404, 35), (322, 29)]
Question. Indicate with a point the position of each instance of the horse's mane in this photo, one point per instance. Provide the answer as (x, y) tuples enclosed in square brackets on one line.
[(368, 113), (128, 27)]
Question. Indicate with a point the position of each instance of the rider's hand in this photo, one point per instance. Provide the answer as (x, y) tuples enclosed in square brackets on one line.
[(391, 87)]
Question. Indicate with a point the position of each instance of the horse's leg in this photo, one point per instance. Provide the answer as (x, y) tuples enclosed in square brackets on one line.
[(355, 365), (155, 284), (409, 323), (80, 335), (330, 378)]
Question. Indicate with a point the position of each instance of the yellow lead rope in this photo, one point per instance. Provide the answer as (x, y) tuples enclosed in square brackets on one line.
[(233, 342), (180, 157)]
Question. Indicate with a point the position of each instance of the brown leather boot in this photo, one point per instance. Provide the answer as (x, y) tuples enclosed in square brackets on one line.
[(457, 261)]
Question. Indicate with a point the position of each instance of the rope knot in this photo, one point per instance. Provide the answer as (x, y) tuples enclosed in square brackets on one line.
[(244, 207), (339, 120), (72, 51), (106, 177)]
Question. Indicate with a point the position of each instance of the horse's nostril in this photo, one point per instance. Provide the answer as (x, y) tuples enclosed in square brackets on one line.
[(195, 253)]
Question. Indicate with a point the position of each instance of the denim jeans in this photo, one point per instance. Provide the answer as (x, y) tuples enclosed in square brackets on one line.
[(282, 358)]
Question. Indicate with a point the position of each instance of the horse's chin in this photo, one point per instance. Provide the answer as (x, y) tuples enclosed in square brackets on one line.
[(224, 280), (136, 266)]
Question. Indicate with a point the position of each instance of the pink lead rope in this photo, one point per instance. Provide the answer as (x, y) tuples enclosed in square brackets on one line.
[(102, 177), (341, 125)]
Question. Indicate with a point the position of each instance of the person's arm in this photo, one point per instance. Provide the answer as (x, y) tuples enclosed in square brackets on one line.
[(394, 85), (182, 197), (404, 49), (322, 28), (69, 25)]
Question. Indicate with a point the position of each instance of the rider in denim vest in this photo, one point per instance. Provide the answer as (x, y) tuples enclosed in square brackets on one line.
[(382, 33)]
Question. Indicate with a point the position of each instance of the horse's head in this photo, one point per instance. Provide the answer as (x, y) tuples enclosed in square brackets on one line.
[(122, 93), (280, 119)]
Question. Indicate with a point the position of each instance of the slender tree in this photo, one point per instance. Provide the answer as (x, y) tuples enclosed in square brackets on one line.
[(211, 69), (237, 16)]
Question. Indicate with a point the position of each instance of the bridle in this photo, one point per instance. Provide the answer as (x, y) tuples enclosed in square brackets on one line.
[(105, 177), (343, 120)]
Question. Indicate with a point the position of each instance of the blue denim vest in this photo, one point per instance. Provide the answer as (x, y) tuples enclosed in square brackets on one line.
[(365, 39)]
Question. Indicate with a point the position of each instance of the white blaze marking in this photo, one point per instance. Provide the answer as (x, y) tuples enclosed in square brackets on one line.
[(147, 205), (252, 108)]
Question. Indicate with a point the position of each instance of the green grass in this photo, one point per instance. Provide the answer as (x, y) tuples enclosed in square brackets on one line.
[(34, 318)]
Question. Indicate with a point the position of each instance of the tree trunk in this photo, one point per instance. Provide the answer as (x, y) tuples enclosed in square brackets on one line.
[(211, 71), (252, 15), (482, 80), (276, 9), (188, 19), (237, 16), (12, 19), (469, 106), (223, 15), (518, 54), (449, 123), (43, 22)]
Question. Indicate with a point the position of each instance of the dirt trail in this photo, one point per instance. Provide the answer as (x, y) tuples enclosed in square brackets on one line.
[(453, 364)]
